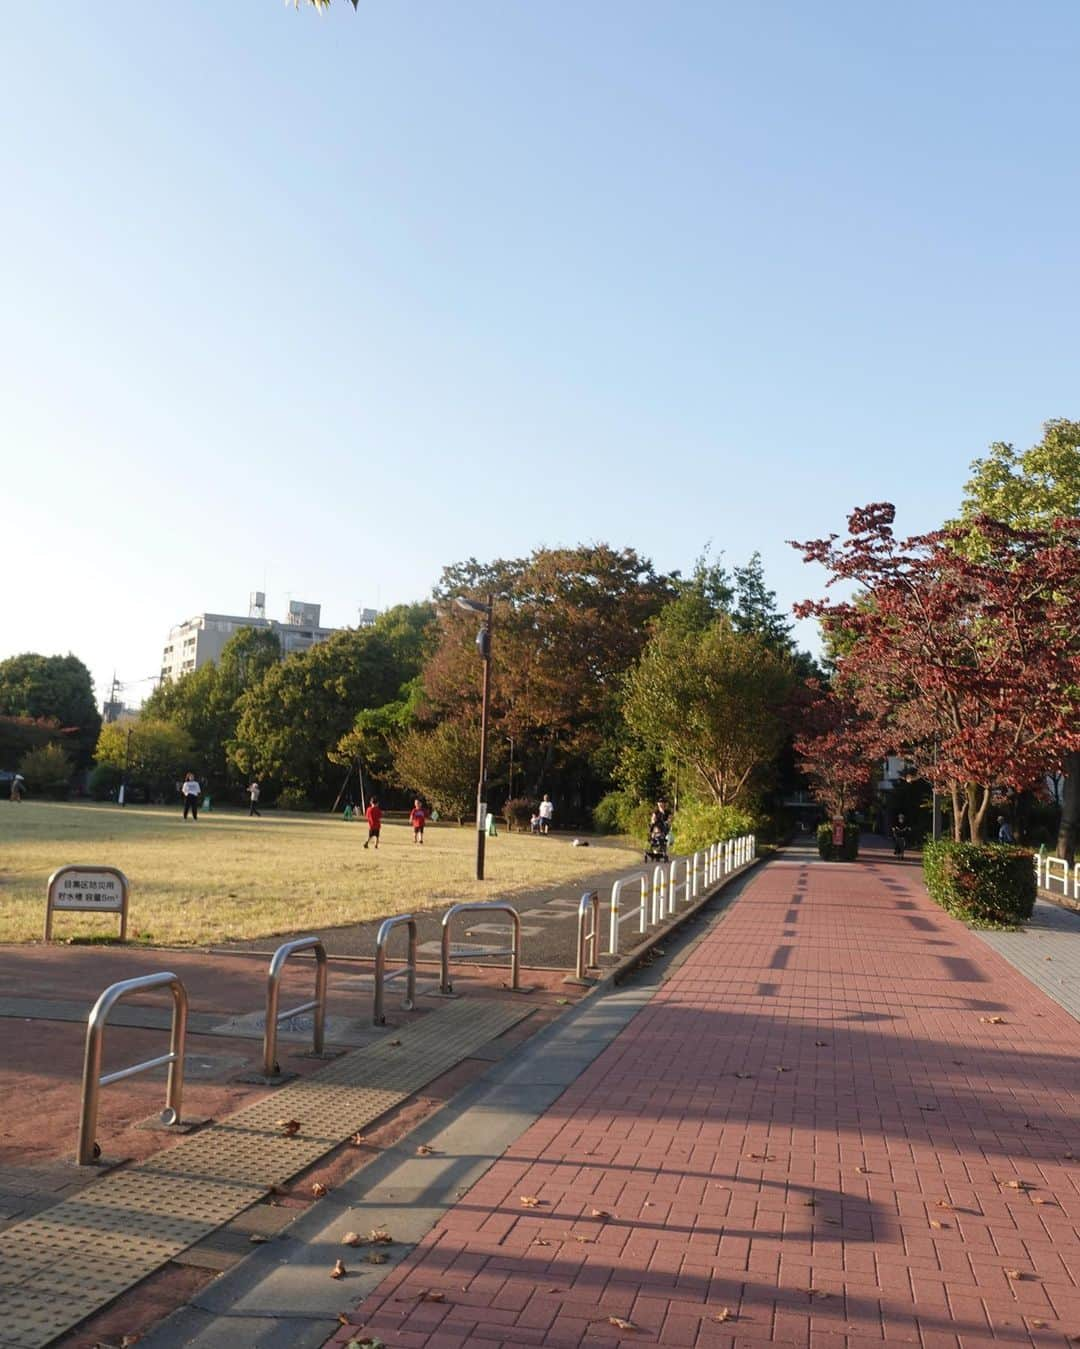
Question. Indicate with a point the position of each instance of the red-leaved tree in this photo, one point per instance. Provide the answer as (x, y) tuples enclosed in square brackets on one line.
[(837, 746), (971, 667)]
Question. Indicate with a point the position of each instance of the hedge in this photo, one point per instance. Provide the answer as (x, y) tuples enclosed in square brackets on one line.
[(984, 883), (846, 852)]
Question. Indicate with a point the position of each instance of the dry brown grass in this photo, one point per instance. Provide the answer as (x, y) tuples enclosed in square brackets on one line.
[(230, 877)]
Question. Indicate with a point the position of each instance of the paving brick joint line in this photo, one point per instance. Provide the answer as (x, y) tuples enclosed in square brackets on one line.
[(60, 1267), (871, 1139)]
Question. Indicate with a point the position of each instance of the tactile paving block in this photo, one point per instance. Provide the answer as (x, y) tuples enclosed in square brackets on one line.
[(58, 1268)]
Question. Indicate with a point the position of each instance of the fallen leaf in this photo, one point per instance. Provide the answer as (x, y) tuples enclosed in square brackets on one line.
[(934, 1223), (992, 1020), (744, 1075), (368, 1342), (1037, 1324), (394, 1043), (585, 1241), (783, 1070), (833, 1222), (1013, 1274), (338, 1272), (562, 1002), (375, 1258), (541, 1241), (318, 1190), (863, 1170), (352, 1239), (761, 1156), (927, 1107), (424, 1151), (809, 1203), (257, 1239), (379, 1236), (821, 1043), (356, 1140), (599, 1213), (1017, 1185), (724, 1314), (620, 1324), (289, 1127), (944, 1203), (530, 1201), (431, 1295), (815, 1292), (1038, 1199), (127, 1340)]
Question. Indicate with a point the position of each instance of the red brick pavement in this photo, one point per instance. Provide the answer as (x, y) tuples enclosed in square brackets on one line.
[(815, 1134)]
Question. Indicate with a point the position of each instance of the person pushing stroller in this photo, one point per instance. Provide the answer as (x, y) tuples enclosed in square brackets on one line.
[(656, 850)]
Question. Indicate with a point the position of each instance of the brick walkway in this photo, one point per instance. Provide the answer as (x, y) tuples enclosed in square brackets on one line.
[(843, 1120)]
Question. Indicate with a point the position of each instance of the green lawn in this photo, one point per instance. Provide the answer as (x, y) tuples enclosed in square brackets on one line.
[(229, 876)]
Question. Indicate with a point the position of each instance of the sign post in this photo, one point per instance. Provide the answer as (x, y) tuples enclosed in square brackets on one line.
[(87, 889)]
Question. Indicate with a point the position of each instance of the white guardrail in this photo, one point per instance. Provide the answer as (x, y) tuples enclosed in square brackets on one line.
[(682, 879), (1055, 870)]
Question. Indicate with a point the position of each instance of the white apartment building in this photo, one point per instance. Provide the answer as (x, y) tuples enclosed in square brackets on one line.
[(201, 639)]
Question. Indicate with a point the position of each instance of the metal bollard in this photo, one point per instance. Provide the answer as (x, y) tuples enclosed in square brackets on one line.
[(273, 991), (513, 951), (382, 978), (588, 942), (93, 1081)]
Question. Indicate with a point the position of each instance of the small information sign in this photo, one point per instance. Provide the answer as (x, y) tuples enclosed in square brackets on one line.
[(87, 889)]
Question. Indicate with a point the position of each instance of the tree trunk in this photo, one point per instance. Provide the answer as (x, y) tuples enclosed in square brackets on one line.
[(978, 802), (1070, 807), (959, 806)]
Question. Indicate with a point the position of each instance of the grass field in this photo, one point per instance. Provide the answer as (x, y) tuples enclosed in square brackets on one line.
[(231, 877)]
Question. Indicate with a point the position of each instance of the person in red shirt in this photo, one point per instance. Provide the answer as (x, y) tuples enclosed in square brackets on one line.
[(373, 815), (417, 818)]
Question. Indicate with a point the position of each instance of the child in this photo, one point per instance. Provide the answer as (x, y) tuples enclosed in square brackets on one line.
[(534, 823), (417, 817), (374, 822)]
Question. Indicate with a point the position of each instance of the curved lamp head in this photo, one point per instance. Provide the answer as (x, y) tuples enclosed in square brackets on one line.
[(472, 606)]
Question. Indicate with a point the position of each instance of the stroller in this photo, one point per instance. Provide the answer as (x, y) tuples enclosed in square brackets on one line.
[(656, 848)]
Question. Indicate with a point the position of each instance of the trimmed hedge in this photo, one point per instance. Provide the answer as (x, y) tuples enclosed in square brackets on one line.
[(847, 851), (984, 883)]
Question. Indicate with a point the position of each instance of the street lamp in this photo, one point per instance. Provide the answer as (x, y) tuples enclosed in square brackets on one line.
[(483, 646)]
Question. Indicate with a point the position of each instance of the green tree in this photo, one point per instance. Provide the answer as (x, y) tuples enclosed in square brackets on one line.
[(441, 766), (1030, 489), (20, 735), (47, 770), (755, 608), (55, 687), (715, 702), (205, 702), (296, 715), (155, 753)]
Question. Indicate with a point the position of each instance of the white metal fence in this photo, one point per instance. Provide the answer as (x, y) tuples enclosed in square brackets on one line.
[(651, 900), (1051, 871)]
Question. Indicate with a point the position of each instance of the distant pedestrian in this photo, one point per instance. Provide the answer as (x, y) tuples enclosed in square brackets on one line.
[(417, 818), (373, 815), (1005, 833), (17, 787), (546, 811), (254, 792), (191, 791), (534, 823)]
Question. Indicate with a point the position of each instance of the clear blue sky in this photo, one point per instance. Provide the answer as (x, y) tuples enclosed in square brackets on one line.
[(337, 300)]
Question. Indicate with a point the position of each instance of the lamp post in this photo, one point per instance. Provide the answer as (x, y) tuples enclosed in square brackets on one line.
[(127, 761), (483, 646)]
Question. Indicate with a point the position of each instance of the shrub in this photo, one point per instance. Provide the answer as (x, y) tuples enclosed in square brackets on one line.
[(519, 811), (104, 782), (294, 798), (47, 770), (846, 852), (697, 824), (622, 813), (981, 883)]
